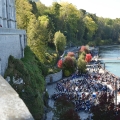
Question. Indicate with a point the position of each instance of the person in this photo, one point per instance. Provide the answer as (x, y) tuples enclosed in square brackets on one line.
[(0, 25)]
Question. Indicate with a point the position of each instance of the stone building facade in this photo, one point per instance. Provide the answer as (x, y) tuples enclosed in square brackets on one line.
[(7, 14), (12, 40)]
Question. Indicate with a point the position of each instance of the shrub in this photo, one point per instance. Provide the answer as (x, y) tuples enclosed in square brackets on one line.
[(67, 73)]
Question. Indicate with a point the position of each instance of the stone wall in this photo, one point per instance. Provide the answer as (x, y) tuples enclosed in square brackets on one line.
[(12, 106), (53, 77), (7, 14), (12, 42)]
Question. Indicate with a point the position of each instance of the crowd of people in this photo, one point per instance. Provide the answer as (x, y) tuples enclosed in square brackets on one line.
[(84, 90)]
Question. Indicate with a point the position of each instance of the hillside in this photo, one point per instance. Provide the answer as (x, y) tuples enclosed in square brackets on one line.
[(30, 70)]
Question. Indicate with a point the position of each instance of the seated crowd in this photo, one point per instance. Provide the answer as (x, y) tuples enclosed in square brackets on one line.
[(84, 90)]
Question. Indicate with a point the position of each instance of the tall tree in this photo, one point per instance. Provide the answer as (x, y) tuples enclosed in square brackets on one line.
[(69, 15), (60, 42), (37, 38), (91, 27), (23, 13)]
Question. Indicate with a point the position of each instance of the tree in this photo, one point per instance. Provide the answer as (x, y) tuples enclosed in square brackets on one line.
[(64, 109), (105, 108), (70, 115), (60, 63), (84, 49), (69, 65), (23, 13), (69, 16), (71, 54), (44, 20), (37, 37), (91, 27), (88, 58), (60, 42), (41, 8)]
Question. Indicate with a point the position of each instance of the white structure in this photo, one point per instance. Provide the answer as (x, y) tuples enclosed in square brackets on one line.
[(7, 14), (12, 40)]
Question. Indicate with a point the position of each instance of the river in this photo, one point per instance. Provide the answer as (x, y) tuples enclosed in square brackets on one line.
[(111, 57)]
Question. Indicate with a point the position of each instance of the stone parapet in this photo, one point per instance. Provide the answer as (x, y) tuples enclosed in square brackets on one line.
[(12, 106), (11, 31)]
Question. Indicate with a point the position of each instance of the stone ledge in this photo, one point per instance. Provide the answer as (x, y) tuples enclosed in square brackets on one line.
[(55, 77), (11, 31), (12, 106)]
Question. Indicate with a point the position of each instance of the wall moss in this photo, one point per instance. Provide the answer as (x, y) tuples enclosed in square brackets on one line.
[(31, 90)]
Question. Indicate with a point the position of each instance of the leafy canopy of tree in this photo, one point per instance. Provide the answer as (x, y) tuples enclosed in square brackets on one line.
[(64, 109), (59, 41)]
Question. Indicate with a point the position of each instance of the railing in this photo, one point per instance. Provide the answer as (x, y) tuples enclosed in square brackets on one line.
[(116, 58)]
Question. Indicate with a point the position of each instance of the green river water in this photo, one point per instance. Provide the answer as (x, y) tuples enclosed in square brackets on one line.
[(111, 58)]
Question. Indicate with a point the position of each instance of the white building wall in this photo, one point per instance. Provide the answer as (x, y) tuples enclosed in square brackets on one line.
[(1, 20), (12, 42), (4, 13)]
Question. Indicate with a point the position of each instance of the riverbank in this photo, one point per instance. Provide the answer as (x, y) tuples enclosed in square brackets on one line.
[(113, 84)]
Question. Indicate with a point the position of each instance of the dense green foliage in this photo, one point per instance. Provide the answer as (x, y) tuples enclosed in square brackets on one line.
[(78, 26), (31, 71)]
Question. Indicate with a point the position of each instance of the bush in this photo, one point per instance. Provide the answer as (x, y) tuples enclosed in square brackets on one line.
[(67, 73)]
